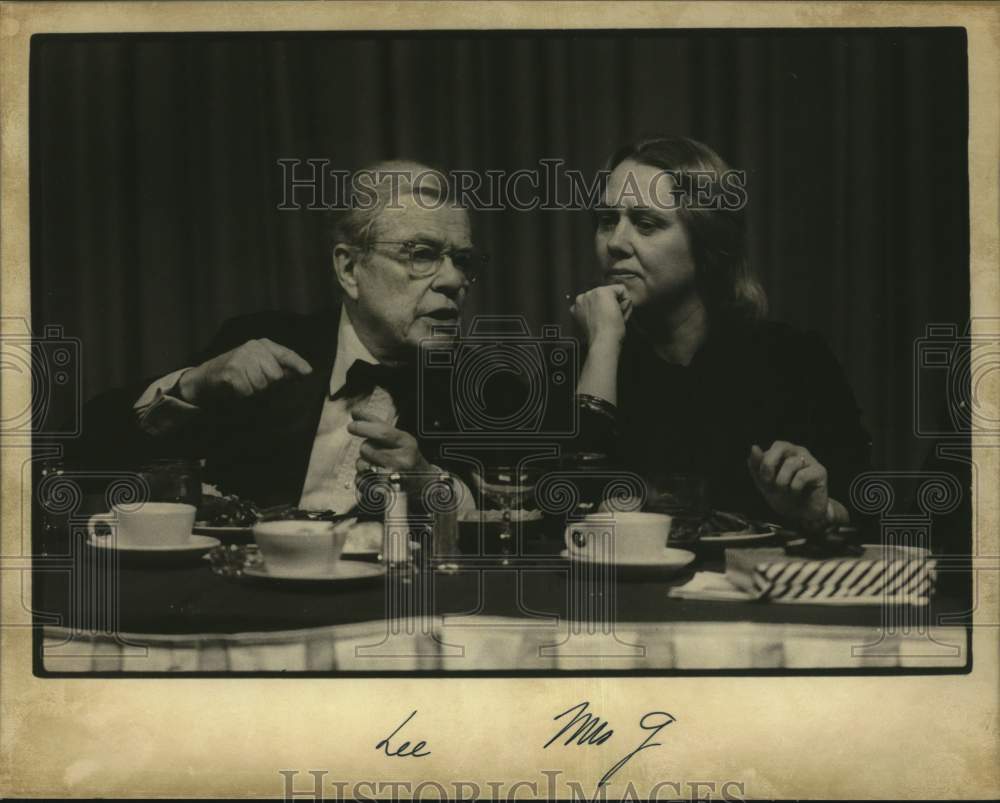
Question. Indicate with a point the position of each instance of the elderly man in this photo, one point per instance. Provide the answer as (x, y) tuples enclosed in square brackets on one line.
[(287, 408)]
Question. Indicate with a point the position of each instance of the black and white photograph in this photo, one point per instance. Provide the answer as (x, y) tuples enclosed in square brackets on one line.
[(545, 353)]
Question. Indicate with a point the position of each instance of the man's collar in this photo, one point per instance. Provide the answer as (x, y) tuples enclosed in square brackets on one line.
[(349, 349)]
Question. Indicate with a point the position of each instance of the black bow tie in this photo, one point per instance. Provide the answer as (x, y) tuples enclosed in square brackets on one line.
[(363, 377)]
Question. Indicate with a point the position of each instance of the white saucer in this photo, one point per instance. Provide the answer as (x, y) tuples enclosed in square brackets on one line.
[(670, 560), (223, 532), (370, 554), (343, 571), (735, 539), (197, 543)]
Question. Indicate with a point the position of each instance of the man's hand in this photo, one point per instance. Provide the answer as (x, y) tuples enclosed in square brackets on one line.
[(242, 372), (390, 450), (602, 313), (793, 482)]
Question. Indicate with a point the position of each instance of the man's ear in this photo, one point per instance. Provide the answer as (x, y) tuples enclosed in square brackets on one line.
[(345, 265)]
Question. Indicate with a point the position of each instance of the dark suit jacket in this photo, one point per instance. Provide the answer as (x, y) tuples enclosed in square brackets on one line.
[(257, 448)]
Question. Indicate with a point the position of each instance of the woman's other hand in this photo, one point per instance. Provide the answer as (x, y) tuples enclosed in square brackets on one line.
[(793, 482)]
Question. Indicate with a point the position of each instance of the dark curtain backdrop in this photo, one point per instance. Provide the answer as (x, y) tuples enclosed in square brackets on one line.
[(155, 181)]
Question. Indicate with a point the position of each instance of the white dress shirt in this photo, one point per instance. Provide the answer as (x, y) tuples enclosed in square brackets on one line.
[(330, 477)]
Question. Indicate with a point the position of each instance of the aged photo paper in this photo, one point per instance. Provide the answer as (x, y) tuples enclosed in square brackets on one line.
[(791, 422)]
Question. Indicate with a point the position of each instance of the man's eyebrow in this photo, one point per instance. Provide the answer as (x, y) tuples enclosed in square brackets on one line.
[(423, 239), (429, 239)]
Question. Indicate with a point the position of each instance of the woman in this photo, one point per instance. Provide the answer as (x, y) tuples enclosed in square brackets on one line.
[(683, 374)]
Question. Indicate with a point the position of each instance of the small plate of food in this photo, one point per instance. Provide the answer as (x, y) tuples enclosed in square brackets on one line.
[(721, 530), (232, 519), (227, 517)]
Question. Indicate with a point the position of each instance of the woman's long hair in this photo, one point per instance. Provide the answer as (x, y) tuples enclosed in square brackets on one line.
[(716, 230)]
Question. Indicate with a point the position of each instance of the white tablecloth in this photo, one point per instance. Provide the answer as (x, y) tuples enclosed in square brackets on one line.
[(483, 643)]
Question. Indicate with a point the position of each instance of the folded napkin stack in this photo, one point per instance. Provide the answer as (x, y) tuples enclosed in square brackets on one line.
[(878, 574)]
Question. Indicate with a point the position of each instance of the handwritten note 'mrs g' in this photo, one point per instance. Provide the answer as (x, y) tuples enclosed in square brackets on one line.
[(591, 730)]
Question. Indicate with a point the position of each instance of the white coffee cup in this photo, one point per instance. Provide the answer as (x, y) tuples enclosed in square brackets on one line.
[(630, 537), (149, 524), (300, 548)]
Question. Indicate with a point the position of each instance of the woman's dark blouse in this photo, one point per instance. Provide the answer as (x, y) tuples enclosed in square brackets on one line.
[(748, 384)]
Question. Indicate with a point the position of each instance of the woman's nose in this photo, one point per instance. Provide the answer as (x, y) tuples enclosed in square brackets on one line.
[(618, 242)]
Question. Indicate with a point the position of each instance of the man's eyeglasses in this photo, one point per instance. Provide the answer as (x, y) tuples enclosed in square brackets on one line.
[(424, 260)]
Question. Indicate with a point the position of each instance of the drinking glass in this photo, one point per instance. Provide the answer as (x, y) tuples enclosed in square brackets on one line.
[(677, 493), (173, 480), (682, 496), (508, 489)]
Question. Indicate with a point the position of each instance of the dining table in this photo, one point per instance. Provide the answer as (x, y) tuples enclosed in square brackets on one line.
[(534, 611)]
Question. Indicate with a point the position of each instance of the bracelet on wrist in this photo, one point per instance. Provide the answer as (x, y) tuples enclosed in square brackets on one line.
[(597, 404)]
